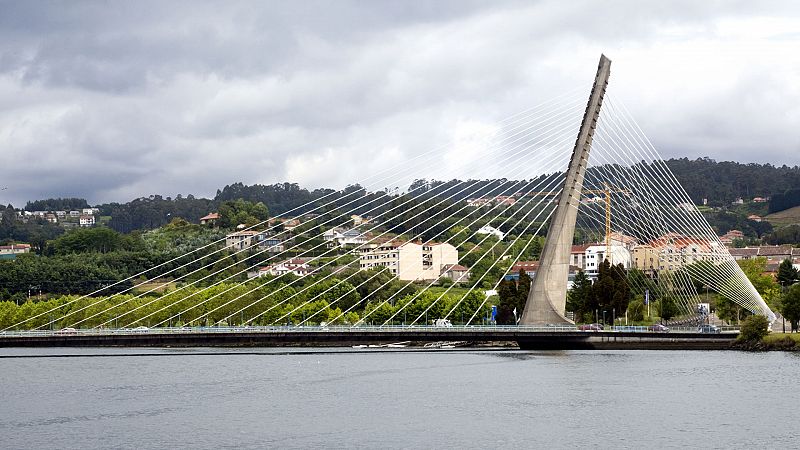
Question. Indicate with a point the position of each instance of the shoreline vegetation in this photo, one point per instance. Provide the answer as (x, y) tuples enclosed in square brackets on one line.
[(783, 342)]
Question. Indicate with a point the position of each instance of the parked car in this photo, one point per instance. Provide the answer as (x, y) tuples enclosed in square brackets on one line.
[(591, 327), (658, 328), (706, 328)]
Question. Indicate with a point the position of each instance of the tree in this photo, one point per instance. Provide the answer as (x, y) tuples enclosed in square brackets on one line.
[(236, 212), (754, 328), (636, 310), (791, 306), (93, 240), (765, 284), (729, 310), (579, 296), (666, 307), (611, 293), (523, 287), (507, 291), (787, 274)]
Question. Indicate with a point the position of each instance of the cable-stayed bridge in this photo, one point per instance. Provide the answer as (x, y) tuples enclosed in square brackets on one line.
[(424, 257)]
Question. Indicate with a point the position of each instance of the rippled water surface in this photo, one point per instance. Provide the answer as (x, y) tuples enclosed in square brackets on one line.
[(207, 398)]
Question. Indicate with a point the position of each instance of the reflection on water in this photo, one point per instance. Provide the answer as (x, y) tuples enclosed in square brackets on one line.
[(256, 398)]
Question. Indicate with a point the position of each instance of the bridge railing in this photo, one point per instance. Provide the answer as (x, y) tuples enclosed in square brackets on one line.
[(476, 329)]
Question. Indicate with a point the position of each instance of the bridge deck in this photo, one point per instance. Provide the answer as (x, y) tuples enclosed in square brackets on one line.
[(527, 338)]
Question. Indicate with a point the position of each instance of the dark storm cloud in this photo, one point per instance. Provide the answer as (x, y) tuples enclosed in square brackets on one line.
[(114, 100)]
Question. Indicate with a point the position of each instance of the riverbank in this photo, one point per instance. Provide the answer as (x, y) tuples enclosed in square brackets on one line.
[(777, 342)]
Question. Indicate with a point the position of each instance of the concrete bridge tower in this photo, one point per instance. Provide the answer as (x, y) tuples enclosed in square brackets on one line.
[(547, 298)]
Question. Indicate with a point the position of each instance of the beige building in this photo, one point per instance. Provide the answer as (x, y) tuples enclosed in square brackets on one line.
[(646, 258), (671, 252), (410, 261)]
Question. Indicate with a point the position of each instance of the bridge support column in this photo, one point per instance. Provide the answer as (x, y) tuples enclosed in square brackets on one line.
[(547, 298)]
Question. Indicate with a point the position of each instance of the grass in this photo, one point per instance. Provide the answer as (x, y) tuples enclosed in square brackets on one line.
[(775, 337), (786, 217), (461, 291), (154, 284)]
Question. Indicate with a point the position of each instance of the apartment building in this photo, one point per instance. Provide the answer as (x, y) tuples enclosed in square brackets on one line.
[(596, 254), (410, 261), (672, 251)]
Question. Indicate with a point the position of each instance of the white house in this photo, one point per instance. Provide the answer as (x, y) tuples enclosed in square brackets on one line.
[(488, 229), (88, 211), (87, 221), (297, 267), (577, 255), (337, 237), (596, 254)]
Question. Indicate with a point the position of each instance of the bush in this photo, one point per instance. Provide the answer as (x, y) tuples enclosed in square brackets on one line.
[(754, 328)]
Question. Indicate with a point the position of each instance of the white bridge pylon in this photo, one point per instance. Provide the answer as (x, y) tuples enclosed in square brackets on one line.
[(657, 224)]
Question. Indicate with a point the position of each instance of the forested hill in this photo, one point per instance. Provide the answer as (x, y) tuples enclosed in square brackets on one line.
[(155, 210), (723, 182), (719, 182)]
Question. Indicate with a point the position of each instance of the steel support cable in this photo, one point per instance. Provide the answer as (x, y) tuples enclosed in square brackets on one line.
[(551, 182), (683, 277), (309, 286), (610, 169), (591, 210), (455, 195), (331, 261), (344, 214), (596, 228), (479, 219), (713, 238), (375, 275), (699, 221), (479, 259), (680, 229), (388, 199), (432, 153), (550, 185), (497, 283)]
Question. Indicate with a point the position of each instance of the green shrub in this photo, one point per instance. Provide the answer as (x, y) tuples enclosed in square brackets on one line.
[(754, 328)]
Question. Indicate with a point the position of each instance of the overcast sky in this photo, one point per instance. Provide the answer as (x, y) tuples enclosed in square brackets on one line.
[(116, 100)]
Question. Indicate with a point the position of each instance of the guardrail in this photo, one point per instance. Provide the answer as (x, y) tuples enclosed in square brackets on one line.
[(477, 329)]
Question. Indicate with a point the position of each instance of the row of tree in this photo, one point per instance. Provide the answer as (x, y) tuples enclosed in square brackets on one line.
[(373, 296)]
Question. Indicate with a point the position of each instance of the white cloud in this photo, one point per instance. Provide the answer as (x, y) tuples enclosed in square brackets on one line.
[(115, 102)]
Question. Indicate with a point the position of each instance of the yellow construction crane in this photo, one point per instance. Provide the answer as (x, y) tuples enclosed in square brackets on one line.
[(606, 192)]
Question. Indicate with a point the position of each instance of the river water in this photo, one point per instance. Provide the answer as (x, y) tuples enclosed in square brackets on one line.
[(306, 398)]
